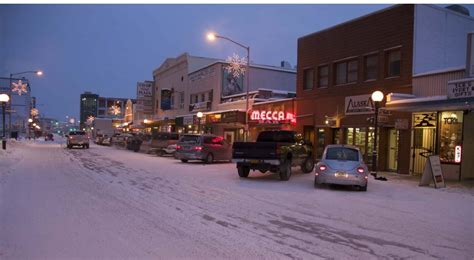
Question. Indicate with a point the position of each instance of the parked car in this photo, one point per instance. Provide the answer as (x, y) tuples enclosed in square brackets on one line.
[(49, 137), (160, 143), (77, 138), (120, 139), (343, 165), (207, 148), (106, 140), (135, 141), (99, 138), (274, 151)]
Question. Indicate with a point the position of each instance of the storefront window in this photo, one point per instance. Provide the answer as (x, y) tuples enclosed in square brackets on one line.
[(350, 136), (359, 139), (370, 144), (450, 135)]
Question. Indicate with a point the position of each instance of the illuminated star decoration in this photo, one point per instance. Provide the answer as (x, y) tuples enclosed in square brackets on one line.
[(90, 120), (34, 112), (237, 65), (19, 87), (115, 110)]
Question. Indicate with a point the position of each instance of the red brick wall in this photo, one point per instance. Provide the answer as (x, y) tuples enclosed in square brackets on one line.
[(375, 32)]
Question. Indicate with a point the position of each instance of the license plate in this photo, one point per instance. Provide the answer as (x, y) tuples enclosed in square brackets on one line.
[(254, 161), (340, 174)]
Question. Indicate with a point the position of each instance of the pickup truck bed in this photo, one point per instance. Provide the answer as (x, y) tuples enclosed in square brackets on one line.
[(275, 151)]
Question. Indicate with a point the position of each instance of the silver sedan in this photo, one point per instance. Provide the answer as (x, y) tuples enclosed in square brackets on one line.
[(342, 165)]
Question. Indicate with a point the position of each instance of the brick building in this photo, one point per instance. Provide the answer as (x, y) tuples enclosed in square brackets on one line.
[(340, 67)]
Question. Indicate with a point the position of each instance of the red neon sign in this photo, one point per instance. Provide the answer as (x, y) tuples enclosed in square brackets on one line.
[(264, 115)]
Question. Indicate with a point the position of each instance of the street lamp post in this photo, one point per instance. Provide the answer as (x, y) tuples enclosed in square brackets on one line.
[(4, 98), (377, 97), (199, 116), (212, 37)]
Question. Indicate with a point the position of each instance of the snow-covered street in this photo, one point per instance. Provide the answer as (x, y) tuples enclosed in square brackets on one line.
[(106, 202)]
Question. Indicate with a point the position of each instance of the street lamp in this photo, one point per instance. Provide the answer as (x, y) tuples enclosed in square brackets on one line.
[(199, 115), (212, 37), (377, 97), (4, 98)]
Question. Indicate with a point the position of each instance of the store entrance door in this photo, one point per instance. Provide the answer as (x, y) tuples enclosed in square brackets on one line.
[(229, 136), (392, 158), (423, 146)]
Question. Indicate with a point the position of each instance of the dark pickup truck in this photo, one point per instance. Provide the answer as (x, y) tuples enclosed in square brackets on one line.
[(275, 151)]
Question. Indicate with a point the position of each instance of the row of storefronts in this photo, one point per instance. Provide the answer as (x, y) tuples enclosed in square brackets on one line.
[(427, 107)]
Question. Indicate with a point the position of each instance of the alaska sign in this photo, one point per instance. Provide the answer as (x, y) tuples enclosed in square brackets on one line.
[(358, 105)]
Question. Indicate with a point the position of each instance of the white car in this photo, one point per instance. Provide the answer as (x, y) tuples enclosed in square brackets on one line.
[(342, 165)]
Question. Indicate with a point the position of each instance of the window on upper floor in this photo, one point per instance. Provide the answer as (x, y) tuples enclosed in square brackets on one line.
[(203, 97), (370, 67), (393, 63), (346, 72), (308, 79), (323, 76)]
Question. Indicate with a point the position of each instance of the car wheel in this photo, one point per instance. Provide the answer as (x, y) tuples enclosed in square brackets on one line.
[(285, 170), (69, 146), (209, 158), (159, 153), (184, 160), (308, 165), (363, 188), (243, 171)]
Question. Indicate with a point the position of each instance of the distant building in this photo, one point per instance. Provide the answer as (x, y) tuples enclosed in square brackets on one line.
[(144, 106), (88, 106), (102, 107)]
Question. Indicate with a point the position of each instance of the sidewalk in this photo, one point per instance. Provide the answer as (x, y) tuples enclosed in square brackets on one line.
[(466, 186)]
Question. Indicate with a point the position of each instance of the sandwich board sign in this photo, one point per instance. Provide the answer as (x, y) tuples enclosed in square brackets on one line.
[(433, 172)]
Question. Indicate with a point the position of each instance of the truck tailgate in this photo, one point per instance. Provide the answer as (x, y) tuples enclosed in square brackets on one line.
[(254, 150)]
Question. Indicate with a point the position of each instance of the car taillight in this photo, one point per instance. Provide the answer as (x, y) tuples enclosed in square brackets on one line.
[(360, 170), (322, 167), (178, 147), (198, 148)]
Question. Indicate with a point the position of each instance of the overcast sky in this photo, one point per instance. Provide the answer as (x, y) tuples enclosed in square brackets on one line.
[(106, 49)]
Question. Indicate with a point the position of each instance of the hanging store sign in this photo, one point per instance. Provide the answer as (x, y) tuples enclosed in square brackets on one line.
[(272, 116), (424, 120), (457, 154), (188, 120), (461, 88), (358, 105), (200, 106)]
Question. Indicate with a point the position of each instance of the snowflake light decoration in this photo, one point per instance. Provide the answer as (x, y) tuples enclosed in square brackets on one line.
[(34, 112), (19, 87), (115, 110), (237, 66), (90, 120)]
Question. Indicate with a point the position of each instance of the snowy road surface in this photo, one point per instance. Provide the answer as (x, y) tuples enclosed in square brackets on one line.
[(111, 203)]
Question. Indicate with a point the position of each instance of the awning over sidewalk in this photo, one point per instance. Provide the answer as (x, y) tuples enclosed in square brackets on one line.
[(410, 103)]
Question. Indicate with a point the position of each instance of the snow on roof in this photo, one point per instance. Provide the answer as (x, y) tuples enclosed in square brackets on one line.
[(444, 70)]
